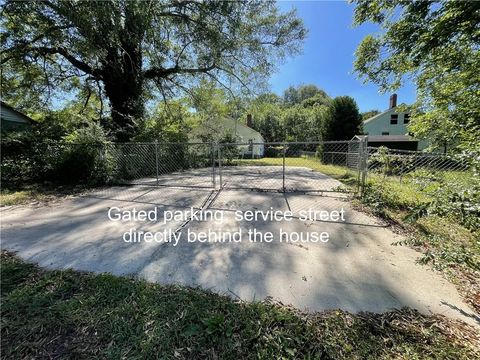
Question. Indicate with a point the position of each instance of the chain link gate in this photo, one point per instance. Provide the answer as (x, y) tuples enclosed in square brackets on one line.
[(289, 167), (279, 166)]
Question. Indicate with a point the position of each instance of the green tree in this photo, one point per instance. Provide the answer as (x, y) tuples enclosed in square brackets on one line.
[(344, 120), (436, 45), (57, 124), (266, 110), (370, 113), (296, 95), (209, 101), (171, 121), (129, 51), (300, 115), (305, 123)]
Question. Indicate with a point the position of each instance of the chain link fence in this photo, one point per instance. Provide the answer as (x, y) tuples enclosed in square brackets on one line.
[(289, 167), (296, 174), (415, 165), (424, 184), (283, 167), (162, 164)]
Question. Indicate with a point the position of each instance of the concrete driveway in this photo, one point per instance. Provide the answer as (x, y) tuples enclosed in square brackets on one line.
[(357, 269)]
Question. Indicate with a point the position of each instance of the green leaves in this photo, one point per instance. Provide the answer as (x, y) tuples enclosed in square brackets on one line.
[(344, 121), (128, 51), (436, 45)]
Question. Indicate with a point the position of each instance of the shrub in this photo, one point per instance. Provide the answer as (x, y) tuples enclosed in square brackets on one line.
[(293, 150), (273, 151), (81, 158)]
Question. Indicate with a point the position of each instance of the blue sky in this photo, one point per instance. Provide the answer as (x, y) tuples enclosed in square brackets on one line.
[(328, 54)]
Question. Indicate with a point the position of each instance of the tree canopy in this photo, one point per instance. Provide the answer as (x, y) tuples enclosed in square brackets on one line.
[(296, 95), (435, 44), (344, 121), (131, 51), (304, 113), (370, 113)]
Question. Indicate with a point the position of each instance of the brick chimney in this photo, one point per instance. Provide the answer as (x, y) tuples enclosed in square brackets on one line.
[(393, 101), (249, 120)]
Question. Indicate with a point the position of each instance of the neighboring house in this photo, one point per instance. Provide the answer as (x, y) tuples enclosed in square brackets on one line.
[(243, 134), (389, 129), (13, 120)]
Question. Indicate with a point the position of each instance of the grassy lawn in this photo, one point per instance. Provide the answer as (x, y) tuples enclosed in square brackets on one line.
[(446, 244), (37, 194), (347, 176), (68, 314)]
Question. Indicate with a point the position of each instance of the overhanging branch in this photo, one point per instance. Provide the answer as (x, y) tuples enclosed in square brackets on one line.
[(42, 50), (159, 72)]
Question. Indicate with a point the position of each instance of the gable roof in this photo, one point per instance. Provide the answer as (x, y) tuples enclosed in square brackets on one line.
[(391, 110), (237, 123), (17, 113), (229, 124)]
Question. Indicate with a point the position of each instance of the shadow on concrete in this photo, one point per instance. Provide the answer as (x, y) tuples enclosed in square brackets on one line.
[(357, 270)]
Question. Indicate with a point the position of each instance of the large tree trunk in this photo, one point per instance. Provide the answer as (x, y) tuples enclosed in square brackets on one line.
[(126, 105), (123, 86), (123, 79)]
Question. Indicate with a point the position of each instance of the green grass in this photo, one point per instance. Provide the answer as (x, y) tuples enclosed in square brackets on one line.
[(347, 176), (8, 198), (36, 193), (68, 314)]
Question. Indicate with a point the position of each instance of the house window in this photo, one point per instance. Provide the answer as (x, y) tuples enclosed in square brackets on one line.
[(394, 119), (250, 145), (406, 118), (385, 133)]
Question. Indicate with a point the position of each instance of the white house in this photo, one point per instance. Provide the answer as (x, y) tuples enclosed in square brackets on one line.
[(389, 128), (245, 134), (251, 142)]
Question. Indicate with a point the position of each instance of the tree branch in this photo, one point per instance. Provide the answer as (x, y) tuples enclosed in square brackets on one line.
[(159, 72), (42, 50), (72, 60)]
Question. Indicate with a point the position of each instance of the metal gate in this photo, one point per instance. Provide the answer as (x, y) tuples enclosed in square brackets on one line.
[(290, 167)]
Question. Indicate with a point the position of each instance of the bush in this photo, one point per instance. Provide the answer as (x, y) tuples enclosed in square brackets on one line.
[(82, 158), (293, 150), (462, 205), (273, 151)]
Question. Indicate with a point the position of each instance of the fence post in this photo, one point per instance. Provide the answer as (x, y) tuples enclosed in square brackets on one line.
[(212, 148), (220, 165), (156, 159), (283, 167), (363, 164)]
